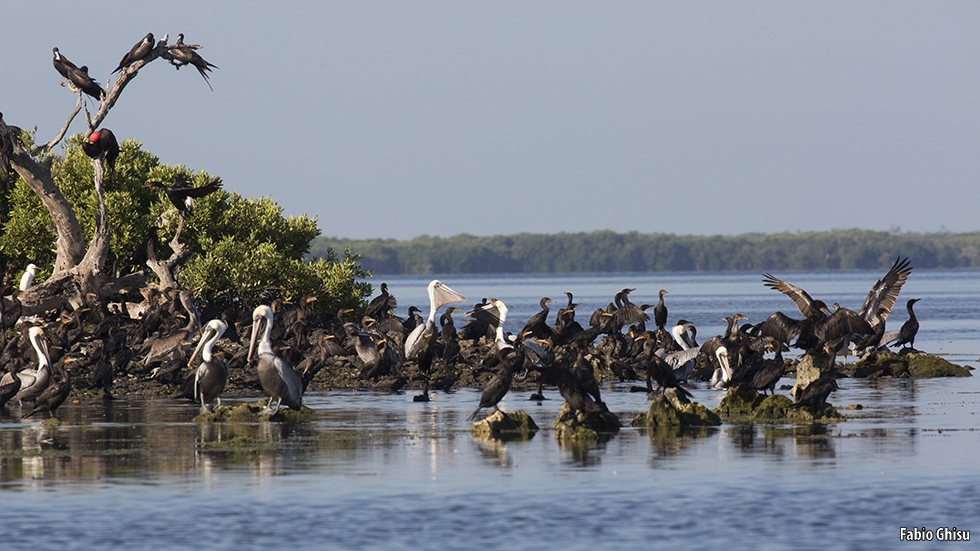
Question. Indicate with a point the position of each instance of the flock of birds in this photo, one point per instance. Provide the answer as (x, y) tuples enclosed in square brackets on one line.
[(287, 355), (179, 55)]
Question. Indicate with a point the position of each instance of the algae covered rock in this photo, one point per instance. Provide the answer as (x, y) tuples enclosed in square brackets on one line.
[(739, 403), (914, 365), (252, 413), (809, 369), (749, 405), (516, 424), (923, 366), (577, 425), (672, 410)]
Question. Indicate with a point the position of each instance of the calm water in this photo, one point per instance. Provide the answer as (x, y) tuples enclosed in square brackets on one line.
[(375, 471)]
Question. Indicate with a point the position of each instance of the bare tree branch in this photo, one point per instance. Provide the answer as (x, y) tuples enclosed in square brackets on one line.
[(64, 129)]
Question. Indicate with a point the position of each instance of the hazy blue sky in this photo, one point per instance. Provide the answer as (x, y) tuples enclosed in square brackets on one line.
[(396, 119)]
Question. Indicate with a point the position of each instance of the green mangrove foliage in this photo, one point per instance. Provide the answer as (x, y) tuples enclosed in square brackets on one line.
[(242, 249), (607, 251)]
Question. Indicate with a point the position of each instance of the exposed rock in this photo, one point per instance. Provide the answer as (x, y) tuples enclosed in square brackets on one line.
[(513, 425), (776, 408), (912, 365), (251, 413), (739, 403), (809, 369), (669, 409), (577, 425)]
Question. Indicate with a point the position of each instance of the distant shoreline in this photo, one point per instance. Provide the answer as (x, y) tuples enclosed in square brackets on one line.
[(606, 251)]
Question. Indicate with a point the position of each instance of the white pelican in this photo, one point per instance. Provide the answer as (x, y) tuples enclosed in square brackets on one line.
[(212, 374), (278, 379), (439, 295)]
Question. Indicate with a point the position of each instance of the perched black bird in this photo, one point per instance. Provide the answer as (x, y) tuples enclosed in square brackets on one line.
[(660, 312), (906, 335), (184, 54), (77, 76), (382, 304), (140, 51), (102, 141), (183, 192)]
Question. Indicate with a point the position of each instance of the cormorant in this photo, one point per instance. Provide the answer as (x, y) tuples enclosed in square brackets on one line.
[(819, 326), (537, 324), (906, 335), (139, 51), (660, 312), (382, 304)]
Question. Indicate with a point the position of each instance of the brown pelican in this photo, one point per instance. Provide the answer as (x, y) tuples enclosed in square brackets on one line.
[(212, 374), (28, 278), (140, 51), (723, 374), (439, 295), (278, 379), (162, 348), (33, 381)]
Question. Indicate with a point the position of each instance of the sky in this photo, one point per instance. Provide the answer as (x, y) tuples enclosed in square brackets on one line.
[(398, 119)]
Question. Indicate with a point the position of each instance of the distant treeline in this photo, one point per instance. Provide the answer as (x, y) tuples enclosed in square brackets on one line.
[(607, 251)]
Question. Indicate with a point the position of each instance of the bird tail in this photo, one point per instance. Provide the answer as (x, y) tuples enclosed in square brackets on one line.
[(475, 413)]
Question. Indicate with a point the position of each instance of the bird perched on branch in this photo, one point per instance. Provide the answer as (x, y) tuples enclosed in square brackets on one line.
[(102, 141), (140, 51), (184, 54), (183, 192), (77, 76)]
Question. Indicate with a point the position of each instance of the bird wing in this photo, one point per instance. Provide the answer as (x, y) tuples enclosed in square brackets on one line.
[(294, 384), (799, 296), (885, 292), (781, 327), (840, 323), (203, 190)]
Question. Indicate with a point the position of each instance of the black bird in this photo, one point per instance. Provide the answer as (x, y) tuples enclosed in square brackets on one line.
[(184, 54), (656, 368), (906, 335), (510, 358), (815, 394), (102, 141), (537, 324), (55, 394), (380, 305), (819, 327), (140, 51), (183, 192), (660, 312), (77, 76)]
